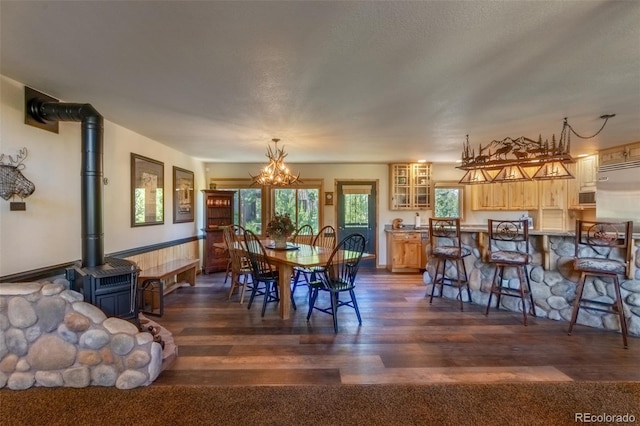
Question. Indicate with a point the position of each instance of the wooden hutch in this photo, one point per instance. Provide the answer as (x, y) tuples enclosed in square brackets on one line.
[(218, 214)]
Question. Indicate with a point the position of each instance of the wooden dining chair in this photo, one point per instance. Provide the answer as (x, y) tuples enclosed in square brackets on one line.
[(303, 235), (338, 276), (264, 275), (326, 238), (240, 265)]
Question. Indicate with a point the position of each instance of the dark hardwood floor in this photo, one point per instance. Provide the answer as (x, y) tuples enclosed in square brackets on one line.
[(402, 339)]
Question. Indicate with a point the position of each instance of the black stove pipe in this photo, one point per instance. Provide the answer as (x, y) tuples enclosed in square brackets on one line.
[(92, 170)]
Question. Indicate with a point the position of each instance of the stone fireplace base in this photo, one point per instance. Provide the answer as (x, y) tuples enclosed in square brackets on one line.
[(50, 337)]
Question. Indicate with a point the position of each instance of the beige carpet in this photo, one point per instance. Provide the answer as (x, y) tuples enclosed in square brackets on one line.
[(454, 404)]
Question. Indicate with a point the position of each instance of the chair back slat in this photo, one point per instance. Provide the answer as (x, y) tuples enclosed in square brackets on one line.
[(602, 237), (444, 231), (326, 238), (303, 235)]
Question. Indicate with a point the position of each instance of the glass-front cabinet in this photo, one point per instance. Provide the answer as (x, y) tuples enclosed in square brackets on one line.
[(218, 214), (410, 186)]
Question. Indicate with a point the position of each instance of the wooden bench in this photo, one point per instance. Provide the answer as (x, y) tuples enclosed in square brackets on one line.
[(152, 283)]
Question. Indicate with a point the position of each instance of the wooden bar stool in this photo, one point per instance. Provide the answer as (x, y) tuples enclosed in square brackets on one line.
[(509, 248), (603, 250), (446, 247)]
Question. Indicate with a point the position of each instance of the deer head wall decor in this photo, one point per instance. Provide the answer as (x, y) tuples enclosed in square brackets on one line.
[(12, 182)]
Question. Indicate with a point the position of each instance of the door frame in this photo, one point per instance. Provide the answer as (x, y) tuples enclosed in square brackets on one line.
[(376, 185)]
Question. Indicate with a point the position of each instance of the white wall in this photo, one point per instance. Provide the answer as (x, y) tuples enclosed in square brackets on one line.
[(48, 232)]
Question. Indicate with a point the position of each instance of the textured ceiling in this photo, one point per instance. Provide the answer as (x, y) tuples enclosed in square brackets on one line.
[(335, 81)]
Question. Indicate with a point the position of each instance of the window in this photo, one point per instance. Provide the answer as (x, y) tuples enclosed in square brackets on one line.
[(247, 203), (253, 206), (448, 200), (302, 204)]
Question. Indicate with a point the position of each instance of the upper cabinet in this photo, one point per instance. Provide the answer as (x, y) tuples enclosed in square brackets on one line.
[(587, 173), (521, 195), (620, 154), (410, 186)]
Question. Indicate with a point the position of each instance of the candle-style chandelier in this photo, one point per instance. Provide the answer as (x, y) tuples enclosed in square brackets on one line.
[(511, 160), (276, 173)]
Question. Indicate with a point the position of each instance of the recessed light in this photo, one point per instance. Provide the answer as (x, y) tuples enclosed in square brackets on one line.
[(422, 161)]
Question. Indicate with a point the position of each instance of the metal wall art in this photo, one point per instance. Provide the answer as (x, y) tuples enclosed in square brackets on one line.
[(12, 182)]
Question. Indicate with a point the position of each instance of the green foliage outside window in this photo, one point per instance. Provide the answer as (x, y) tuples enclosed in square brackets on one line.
[(301, 204), (447, 202)]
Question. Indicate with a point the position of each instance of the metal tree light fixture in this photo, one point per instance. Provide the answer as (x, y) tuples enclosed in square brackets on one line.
[(276, 173), (505, 160)]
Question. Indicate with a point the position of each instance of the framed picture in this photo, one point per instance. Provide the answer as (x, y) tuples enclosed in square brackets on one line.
[(183, 202), (147, 191), (328, 198)]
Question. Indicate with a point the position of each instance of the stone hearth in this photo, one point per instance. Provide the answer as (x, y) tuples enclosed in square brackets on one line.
[(50, 337)]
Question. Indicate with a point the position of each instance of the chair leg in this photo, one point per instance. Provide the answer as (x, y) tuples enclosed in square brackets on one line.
[(499, 286), (244, 287), (295, 281), (334, 310), (576, 302), (523, 296), (620, 309), (254, 291), (293, 302), (466, 280), (313, 295), (459, 283), (267, 292), (533, 305), (226, 274), (234, 284), (493, 290), (435, 281), (355, 305)]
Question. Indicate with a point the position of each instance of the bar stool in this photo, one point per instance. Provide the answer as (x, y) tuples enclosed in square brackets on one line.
[(596, 243), (446, 247), (509, 248)]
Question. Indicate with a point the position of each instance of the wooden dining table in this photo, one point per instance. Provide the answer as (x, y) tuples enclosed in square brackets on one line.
[(303, 255)]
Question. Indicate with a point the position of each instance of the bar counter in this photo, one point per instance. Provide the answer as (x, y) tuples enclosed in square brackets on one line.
[(553, 279)]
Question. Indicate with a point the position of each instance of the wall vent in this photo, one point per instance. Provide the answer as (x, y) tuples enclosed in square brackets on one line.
[(620, 166)]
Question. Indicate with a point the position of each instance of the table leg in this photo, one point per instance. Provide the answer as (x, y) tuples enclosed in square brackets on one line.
[(284, 284)]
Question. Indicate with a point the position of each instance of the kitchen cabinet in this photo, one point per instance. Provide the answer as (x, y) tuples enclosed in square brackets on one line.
[(552, 194), (521, 195), (587, 173), (218, 213), (505, 196), (619, 154), (404, 252), (410, 186), (490, 196)]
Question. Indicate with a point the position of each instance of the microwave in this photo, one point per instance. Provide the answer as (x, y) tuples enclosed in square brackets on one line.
[(587, 197)]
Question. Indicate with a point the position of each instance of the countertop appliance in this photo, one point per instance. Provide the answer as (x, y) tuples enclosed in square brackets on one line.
[(618, 193), (397, 223)]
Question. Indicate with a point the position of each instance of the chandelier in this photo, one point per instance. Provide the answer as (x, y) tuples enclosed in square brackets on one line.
[(512, 160), (276, 173)]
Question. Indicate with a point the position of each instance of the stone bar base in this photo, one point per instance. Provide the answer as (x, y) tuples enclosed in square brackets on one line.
[(553, 287)]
